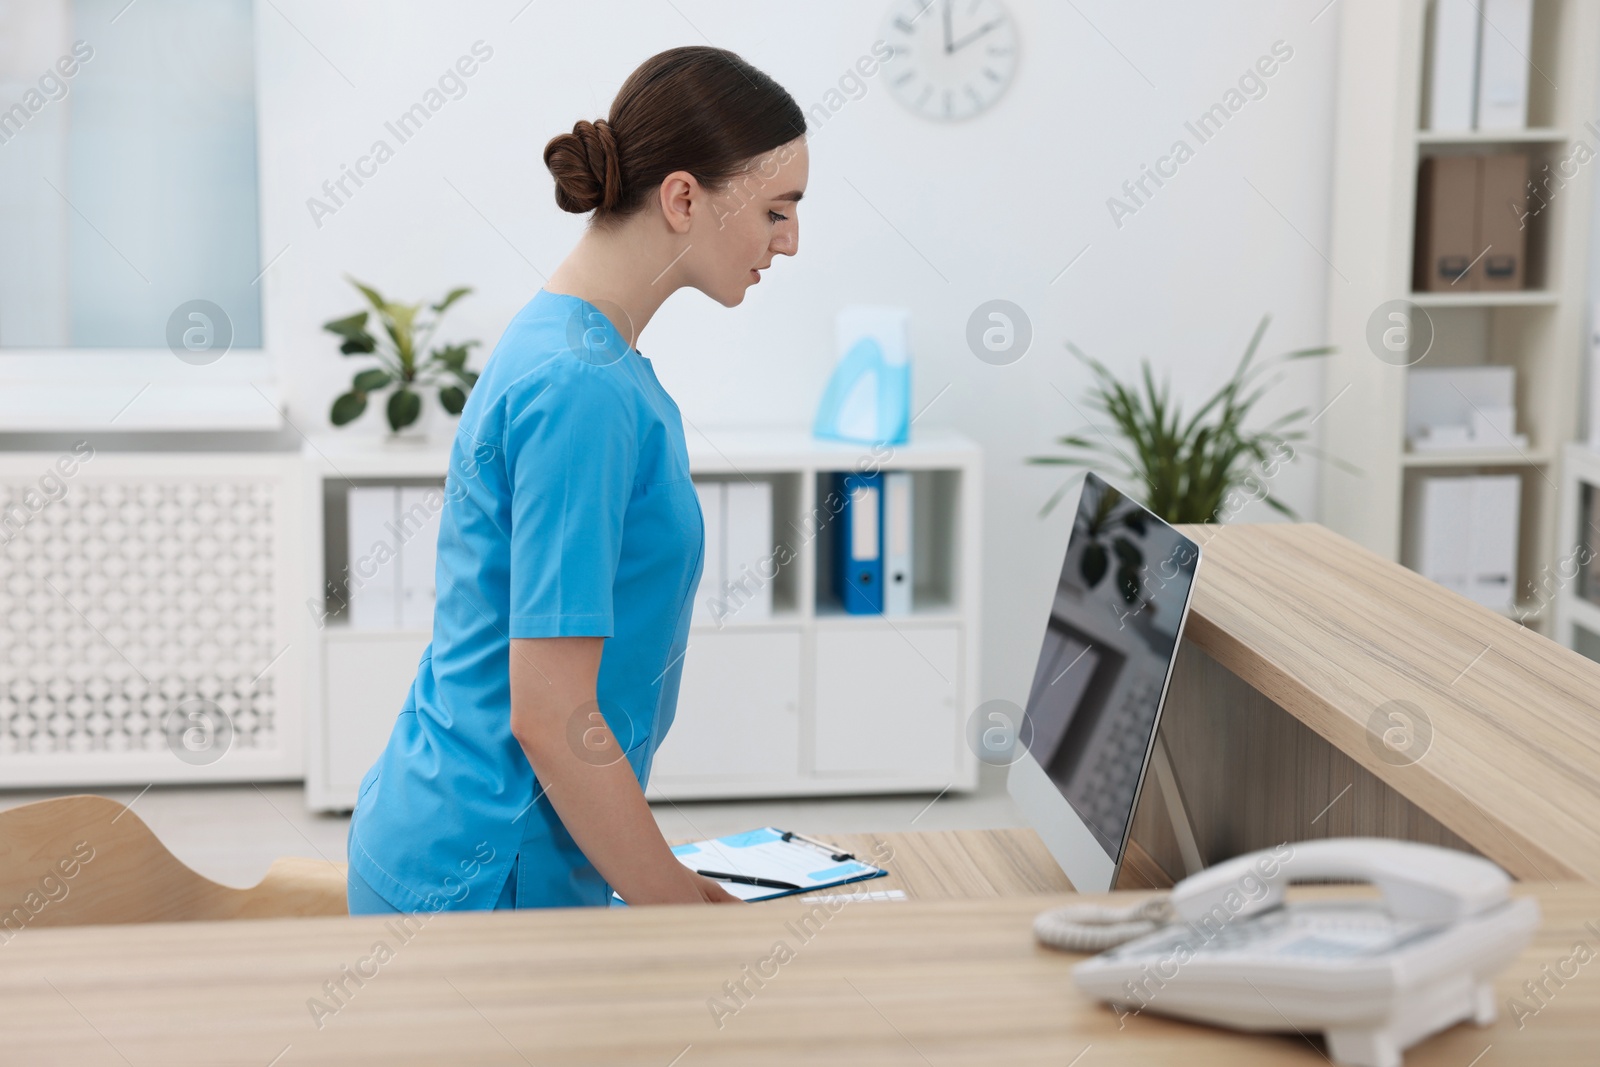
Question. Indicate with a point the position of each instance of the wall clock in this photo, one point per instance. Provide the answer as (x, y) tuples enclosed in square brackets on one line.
[(952, 59)]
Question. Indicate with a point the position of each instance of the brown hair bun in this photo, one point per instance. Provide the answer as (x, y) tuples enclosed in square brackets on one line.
[(697, 109), (586, 166)]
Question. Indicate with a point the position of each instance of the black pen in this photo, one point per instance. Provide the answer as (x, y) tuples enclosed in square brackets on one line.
[(748, 879)]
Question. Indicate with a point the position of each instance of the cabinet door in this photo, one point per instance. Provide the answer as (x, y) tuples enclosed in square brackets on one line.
[(738, 710), (366, 677), (886, 701)]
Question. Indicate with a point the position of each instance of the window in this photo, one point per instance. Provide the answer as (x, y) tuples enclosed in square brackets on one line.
[(128, 173)]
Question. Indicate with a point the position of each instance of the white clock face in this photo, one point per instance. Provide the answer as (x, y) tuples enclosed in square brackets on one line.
[(952, 58)]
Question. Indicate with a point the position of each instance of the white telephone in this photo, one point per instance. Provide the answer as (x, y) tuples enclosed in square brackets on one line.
[(1374, 976)]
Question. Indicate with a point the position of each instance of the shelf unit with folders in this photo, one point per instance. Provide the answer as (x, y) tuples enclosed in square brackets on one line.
[(1392, 312), (783, 692)]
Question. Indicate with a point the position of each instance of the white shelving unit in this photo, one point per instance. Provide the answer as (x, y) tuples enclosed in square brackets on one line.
[(1540, 330), (1575, 584), (811, 701), (356, 680)]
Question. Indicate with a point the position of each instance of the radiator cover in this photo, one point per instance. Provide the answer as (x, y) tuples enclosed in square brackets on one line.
[(147, 626)]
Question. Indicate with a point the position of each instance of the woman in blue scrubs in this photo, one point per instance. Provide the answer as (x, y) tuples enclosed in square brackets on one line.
[(571, 541)]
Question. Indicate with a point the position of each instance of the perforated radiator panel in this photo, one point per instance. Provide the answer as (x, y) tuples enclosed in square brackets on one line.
[(141, 622)]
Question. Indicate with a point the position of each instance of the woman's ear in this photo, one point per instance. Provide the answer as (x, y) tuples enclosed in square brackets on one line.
[(678, 193)]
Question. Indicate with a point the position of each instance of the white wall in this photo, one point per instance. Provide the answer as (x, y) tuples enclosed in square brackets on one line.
[(936, 217)]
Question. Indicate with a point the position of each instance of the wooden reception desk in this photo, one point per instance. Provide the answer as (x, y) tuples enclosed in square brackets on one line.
[(1323, 691), (1297, 640)]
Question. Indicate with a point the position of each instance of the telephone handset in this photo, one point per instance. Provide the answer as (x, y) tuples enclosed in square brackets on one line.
[(1375, 976), (1417, 881)]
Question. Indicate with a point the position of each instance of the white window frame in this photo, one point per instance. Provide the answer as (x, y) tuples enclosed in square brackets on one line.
[(81, 390)]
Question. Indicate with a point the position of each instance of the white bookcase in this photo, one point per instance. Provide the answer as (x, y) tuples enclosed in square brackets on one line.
[(1540, 330), (810, 701), (1574, 585), (356, 680)]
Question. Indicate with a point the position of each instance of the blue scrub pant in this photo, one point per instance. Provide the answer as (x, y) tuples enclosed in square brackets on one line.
[(364, 900)]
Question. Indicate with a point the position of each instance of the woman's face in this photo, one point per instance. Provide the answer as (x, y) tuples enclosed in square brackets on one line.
[(752, 220)]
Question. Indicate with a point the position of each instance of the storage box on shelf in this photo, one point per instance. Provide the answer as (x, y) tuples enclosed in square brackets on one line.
[(794, 699), (1536, 330)]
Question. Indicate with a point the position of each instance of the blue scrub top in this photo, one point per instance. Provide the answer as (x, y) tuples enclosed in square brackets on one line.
[(568, 512)]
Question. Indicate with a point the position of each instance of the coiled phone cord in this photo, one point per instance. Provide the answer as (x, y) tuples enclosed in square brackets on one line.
[(1097, 927)]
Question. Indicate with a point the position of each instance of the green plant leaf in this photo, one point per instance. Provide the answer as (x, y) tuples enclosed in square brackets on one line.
[(371, 380), (404, 316), (373, 296), (1187, 461), (452, 399), (402, 352), (1092, 567), (347, 407), (353, 328), (1055, 498), (404, 407), (467, 378), (1250, 349), (1128, 553), (453, 356), (398, 320), (1306, 353), (350, 326), (450, 298)]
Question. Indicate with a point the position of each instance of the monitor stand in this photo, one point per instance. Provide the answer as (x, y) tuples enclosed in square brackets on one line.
[(1177, 811)]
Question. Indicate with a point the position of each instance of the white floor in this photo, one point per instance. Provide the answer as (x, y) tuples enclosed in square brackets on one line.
[(232, 833)]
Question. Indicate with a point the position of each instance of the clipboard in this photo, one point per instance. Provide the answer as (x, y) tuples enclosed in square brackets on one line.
[(780, 863)]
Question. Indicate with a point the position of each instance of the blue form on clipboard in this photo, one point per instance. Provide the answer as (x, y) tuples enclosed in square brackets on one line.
[(767, 855)]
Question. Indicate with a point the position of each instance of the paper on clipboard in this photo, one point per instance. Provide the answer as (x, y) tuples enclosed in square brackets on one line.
[(764, 853)]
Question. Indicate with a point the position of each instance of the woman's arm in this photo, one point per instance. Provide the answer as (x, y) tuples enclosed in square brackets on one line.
[(586, 778)]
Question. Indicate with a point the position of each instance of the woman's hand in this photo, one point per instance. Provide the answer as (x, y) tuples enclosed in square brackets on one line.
[(711, 891)]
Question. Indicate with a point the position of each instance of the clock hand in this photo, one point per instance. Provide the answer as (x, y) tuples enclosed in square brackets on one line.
[(947, 46), (973, 36)]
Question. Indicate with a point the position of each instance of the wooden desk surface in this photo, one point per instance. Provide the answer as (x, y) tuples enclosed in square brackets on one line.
[(1332, 632), (909, 983), (954, 864)]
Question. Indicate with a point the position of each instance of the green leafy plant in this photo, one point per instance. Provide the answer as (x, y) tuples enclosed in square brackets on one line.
[(399, 348), (1109, 530), (1190, 468)]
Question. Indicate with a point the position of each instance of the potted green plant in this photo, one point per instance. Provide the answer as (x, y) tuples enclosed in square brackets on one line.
[(402, 364), (1191, 469)]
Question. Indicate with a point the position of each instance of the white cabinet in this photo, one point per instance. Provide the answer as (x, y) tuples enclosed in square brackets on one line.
[(886, 702), (806, 701), (366, 677), (738, 711)]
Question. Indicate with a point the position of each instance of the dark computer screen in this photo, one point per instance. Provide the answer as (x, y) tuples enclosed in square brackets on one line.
[(1108, 649)]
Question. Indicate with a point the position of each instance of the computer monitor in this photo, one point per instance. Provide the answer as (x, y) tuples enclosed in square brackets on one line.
[(1106, 659)]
